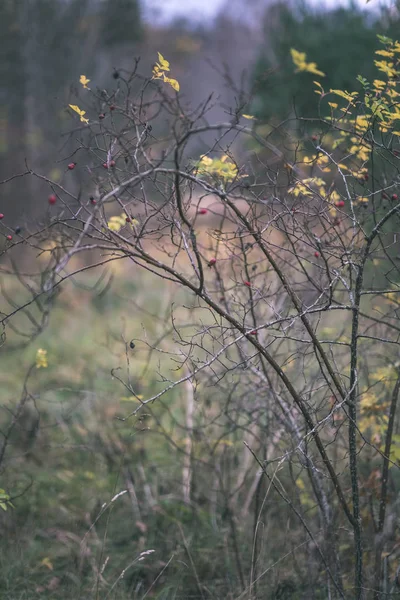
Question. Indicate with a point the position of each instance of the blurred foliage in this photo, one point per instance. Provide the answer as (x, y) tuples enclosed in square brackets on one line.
[(47, 44), (340, 40), (121, 22)]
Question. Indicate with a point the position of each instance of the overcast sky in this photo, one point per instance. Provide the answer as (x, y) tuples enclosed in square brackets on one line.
[(201, 10)]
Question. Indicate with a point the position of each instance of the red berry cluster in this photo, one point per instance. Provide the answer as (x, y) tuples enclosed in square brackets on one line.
[(110, 164)]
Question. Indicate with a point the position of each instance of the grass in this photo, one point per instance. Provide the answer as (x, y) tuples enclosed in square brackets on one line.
[(68, 454), (71, 454)]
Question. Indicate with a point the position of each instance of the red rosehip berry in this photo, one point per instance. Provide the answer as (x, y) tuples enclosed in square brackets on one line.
[(52, 199), (112, 107), (105, 165), (340, 204), (92, 200), (254, 332), (1, 216), (112, 163), (9, 237), (366, 176), (394, 196), (316, 254), (71, 166), (314, 138), (128, 219), (247, 283), (101, 116), (202, 211), (212, 262)]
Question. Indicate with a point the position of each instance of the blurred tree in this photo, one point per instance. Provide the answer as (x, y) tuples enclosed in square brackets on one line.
[(339, 40), (46, 45), (121, 21), (12, 87)]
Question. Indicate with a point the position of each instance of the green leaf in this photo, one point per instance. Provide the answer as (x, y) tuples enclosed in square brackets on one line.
[(383, 38), (364, 82)]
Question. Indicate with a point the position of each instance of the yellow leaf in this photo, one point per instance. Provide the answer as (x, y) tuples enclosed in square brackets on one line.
[(322, 160), (386, 67), (159, 70), (312, 68), (222, 167), (248, 116), (392, 94), (41, 359), (46, 562), (172, 82), (384, 53), (157, 73), (117, 222), (334, 196), (362, 123), (75, 108), (299, 59), (379, 84), (350, 97), (164, 64), (84, 81), (80, 112)]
